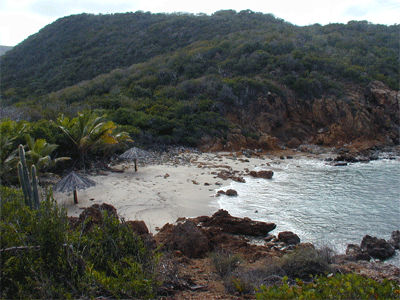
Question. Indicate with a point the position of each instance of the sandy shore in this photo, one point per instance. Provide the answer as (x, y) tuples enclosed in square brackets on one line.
[(161, 193)]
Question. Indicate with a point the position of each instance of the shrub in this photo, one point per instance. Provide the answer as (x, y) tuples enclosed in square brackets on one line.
[(339, 286), (224, 262), (305, 262)]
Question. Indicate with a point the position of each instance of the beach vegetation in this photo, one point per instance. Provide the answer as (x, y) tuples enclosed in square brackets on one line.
[(42, 257), (338, 286), (224, 262), (89, 133)]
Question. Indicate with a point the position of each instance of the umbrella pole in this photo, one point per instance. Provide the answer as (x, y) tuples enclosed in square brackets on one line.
[(75, 196), (135, 161)]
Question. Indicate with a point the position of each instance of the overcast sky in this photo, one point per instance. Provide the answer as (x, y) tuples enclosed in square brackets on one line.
[(21, 18)]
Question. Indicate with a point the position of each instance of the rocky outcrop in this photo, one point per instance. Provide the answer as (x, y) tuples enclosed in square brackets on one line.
[(377, 248), (233, 225), (367, 118)]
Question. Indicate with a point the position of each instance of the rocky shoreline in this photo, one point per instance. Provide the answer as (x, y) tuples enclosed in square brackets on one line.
[(189, 241)]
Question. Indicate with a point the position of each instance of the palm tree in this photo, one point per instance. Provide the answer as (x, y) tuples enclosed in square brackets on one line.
[(90, 132), (39, 154)]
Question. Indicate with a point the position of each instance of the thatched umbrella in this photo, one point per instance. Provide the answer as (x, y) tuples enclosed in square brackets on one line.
[(73, 182), (134, 153)]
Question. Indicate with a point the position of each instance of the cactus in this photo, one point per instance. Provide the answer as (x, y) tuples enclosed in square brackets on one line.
[(30, 190), (35, 191)]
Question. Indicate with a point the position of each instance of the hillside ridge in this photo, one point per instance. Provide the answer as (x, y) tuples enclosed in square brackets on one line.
[(242, 78)]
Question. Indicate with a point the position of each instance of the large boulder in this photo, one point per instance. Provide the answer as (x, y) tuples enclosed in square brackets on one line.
[(288, 237), (377, 248), (222, 219), (185, 237)]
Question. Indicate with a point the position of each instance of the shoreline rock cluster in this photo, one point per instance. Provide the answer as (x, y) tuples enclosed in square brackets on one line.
[(195, 238)]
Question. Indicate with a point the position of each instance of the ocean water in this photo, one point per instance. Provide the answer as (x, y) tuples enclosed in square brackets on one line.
[(323, 204)]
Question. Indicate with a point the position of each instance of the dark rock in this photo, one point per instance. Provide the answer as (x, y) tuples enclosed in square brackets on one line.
[(293, 143), (185, 237), (239, 179), (231, 192), (222, 219), (354, 253), (346, 158), (340, 164), (139, 227), (95, 212), (262, 174), (395, 239), (377, 248), (352, 249), (288, 238)]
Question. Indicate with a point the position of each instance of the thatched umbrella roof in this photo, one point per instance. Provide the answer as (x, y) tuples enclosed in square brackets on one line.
[(73, 182), (135, 152)]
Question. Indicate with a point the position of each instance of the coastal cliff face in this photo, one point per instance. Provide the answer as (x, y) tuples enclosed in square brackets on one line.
[(363, 119)]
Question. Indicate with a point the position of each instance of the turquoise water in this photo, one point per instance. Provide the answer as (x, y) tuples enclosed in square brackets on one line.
[(323, 204)]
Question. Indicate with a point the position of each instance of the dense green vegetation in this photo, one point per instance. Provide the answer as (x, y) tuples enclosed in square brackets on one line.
[(173, 78), (54, 146), (43, 258), (340, 286)]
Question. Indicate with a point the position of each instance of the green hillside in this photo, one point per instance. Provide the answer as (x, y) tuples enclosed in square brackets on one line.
[(4, 49), (176, 78), (80, 47)]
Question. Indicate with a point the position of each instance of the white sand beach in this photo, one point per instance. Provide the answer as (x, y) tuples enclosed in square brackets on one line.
[(162, 193)]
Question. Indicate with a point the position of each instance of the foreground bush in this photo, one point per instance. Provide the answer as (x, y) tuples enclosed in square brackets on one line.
[(42, 258), (340, 286)]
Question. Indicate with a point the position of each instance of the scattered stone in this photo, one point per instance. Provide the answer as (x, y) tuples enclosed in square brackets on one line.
[(238, 179), (262, 174), (340, 164), (231, 192)]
